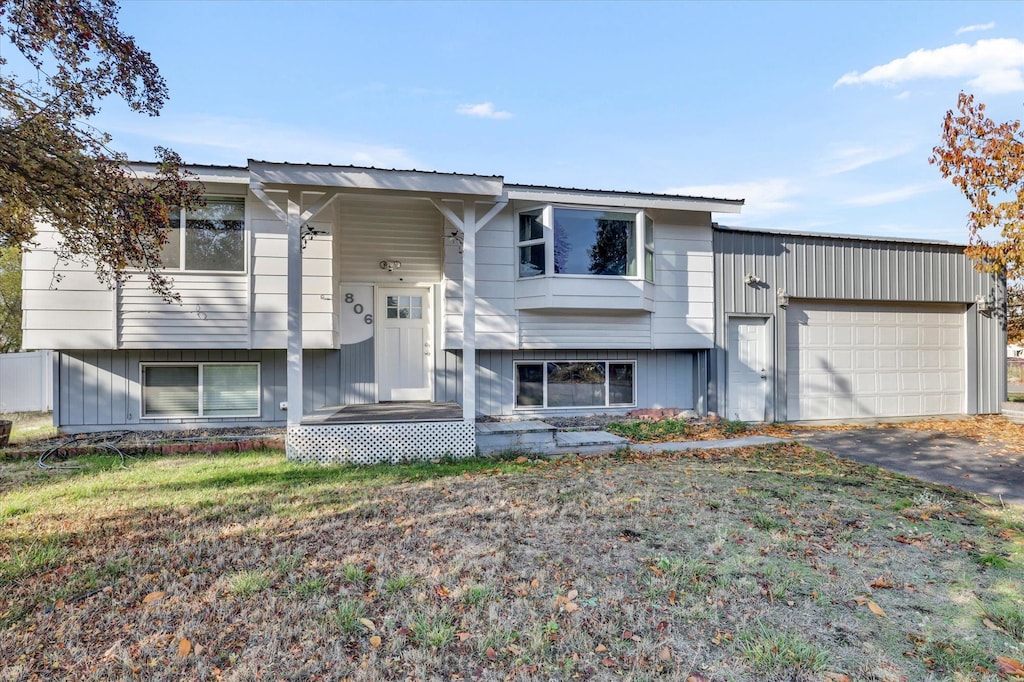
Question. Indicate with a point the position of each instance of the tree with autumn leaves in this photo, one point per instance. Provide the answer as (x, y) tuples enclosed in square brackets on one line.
[(985, 161), (55, 167)]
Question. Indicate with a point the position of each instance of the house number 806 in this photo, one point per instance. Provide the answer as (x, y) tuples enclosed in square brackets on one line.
[(358, 308)]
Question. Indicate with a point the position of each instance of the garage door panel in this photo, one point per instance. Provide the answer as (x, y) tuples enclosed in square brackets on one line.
[(874, 360)]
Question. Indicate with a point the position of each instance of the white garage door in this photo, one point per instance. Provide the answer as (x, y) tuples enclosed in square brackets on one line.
[(874, 360)]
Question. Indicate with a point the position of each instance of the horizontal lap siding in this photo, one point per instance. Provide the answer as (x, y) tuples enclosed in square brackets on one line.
[(552, 330), (270, 282), (63, 304), (684, 312), (213, 313)]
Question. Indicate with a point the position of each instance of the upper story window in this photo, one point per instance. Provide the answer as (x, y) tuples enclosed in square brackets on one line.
[(572, 241), (210, 237)]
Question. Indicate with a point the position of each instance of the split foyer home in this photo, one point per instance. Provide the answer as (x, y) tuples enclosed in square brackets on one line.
[(378, 313)]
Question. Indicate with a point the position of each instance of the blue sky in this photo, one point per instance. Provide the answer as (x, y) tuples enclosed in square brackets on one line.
[(821, 115)]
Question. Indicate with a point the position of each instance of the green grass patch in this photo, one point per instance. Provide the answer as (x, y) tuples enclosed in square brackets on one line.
[(640, 431), (248, 583), (28, 556), (769, 649)]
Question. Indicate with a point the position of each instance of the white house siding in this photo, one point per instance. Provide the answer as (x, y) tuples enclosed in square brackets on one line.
[(663, 379), (372, 229), (270, 282), (684, 308), (583, 329), (213, 313), (63, 304), (496, 323)]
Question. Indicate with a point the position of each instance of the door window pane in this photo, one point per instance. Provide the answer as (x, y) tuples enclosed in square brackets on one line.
[(404, 307), (170, 391)]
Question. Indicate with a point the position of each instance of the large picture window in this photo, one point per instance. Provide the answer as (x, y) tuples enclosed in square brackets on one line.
[(210, 237), (201, 390), (562, 384), (595, 242)]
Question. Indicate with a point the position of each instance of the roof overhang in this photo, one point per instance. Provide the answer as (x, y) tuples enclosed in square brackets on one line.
[(589, 197), (283, 175), (206, 174)]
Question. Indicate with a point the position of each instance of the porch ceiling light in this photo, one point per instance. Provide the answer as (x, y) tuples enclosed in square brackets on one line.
[(390, 265)]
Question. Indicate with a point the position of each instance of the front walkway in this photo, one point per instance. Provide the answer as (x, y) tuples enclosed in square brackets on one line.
[(930, 456)]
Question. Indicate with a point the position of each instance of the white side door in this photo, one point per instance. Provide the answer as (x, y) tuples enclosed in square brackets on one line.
[(405, 359), (747, 390)]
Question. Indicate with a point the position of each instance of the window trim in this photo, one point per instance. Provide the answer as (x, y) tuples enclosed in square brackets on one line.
[(544, 378), (182, 220), (641, 222), (199, 365)]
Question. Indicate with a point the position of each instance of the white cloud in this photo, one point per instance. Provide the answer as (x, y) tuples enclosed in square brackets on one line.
[(482, 110), (905, 95), (848, 158), (229, 140), (992, 65), (764, 198), (976, 27), (890, 196)]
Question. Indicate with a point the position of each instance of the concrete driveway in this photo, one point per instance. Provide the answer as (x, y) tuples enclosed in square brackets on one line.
[(929, 456)]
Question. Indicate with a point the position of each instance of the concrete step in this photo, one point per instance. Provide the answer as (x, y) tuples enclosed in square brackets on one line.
[(1014, 412), (528, 436), (578, 439)]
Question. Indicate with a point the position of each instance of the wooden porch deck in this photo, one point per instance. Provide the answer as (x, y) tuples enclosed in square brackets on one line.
[(385, 413)]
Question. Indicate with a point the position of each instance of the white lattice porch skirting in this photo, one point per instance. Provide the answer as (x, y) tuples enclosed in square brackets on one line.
[(381, 442)]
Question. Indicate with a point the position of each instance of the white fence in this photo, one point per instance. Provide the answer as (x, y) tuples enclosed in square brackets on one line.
[(26, 382)]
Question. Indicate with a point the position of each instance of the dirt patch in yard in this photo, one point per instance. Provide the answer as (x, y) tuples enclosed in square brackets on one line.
[(757, 564)]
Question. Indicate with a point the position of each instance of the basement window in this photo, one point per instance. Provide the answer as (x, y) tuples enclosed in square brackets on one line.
[(204, 389), (568, 384)]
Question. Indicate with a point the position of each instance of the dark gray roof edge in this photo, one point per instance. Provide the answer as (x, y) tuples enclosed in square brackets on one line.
[(190, 165), (623, 193), (372, 168), (846, 237)]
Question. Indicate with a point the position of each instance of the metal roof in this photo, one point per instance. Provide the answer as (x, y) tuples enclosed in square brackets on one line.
[(827, 235)]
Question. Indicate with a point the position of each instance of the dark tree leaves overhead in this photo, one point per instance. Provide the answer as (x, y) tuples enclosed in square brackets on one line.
[(54, 166), (985, 161)]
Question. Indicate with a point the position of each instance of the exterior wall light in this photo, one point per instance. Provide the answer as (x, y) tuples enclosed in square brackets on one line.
[(782, 297), (752, 279), (984, 304), (390, 265)]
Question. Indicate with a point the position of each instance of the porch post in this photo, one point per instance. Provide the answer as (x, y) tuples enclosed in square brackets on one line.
[(294, 362), (469, 311)]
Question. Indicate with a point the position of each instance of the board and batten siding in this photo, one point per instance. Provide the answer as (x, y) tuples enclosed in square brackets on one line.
[(63, 304), (852, 269), (663, 379)]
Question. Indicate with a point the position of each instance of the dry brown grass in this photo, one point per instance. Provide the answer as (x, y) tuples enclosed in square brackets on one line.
[(772, 563)]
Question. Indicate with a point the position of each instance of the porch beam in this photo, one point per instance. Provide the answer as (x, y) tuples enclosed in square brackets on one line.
[(320, 205), (294, 303), (469, 312), (494, 210), (448, 213), (257, 189)]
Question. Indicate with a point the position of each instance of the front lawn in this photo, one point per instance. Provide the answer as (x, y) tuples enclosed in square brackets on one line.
[(752, 564)]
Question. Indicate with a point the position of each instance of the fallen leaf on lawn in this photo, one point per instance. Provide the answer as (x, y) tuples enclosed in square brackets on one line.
[(609, 662), (626, 634), (876, 609), (572, 594), (375, 640), (672, 597), (152, 597), (442, 591), (600, 648), (184, 647), (837, 677), (992, 626), (696, 677), (1009, 666), (571, 607), (881, 584), (491, 654), (665, 654), (657, 571), (59, 605), (514, 649), (462, 636), (368, 624)]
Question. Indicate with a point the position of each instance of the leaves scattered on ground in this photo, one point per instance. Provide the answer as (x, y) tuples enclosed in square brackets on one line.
[(750, 564)]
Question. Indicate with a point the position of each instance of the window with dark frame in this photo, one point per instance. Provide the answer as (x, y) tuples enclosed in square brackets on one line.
[(568, 384)]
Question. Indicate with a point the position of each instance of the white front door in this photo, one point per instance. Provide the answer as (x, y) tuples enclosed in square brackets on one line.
[(747, 390), (403, 369)]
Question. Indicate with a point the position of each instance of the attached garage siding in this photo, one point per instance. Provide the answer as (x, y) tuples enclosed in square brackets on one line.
[(832, 272)]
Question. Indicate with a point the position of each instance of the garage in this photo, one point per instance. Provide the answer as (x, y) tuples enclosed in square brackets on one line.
[(855, 360)]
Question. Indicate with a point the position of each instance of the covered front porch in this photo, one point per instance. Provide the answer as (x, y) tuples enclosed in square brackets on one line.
[(376, 418)]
